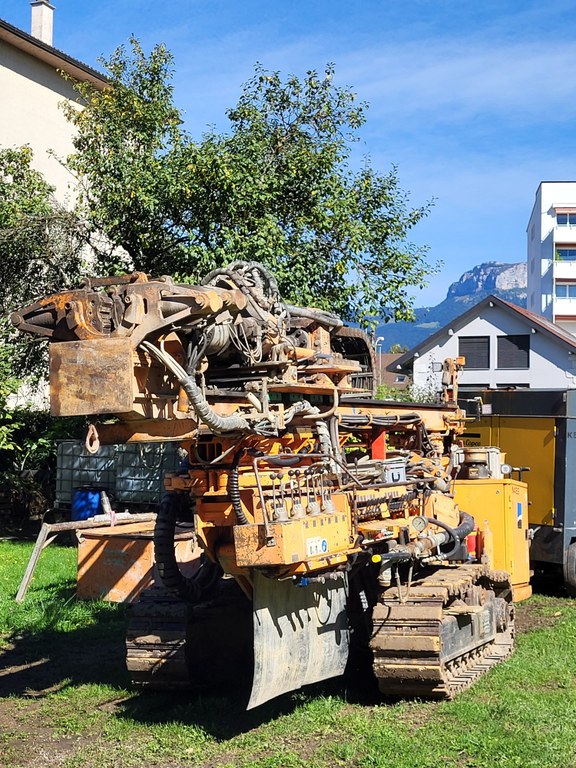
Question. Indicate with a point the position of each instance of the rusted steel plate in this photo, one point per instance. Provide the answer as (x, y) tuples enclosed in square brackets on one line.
[(90, 377)]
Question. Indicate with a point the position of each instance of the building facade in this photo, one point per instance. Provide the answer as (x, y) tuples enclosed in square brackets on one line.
[(32, 89), (505, 347), (551, 237)]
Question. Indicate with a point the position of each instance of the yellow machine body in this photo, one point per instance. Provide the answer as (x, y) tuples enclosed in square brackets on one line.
[(500, 508)]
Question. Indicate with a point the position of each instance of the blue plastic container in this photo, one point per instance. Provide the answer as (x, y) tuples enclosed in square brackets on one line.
[(85, 503)]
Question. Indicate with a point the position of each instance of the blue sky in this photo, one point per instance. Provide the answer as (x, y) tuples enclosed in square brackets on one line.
[(474, 102)]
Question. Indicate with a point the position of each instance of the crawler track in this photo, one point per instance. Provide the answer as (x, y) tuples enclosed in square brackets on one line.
[(156, 639), (448, 629), (173, 645)]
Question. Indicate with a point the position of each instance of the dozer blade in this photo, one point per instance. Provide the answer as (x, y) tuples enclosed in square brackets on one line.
[(301, 635)]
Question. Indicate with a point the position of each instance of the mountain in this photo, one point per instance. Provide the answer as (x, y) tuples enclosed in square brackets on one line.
[(507, 281)]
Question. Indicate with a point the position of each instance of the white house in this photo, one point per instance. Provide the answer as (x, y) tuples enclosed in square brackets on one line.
[(505, 346), (32, 89), (552, 253)]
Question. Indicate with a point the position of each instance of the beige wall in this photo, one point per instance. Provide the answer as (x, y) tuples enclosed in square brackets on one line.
[(30, 92)]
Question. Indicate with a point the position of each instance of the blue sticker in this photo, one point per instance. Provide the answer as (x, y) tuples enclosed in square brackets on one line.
[(324, 545)]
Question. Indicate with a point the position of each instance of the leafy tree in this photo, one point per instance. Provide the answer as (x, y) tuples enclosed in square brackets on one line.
[(128, 161), (398, 349), (41, 246), (40, 251), (278, 188)]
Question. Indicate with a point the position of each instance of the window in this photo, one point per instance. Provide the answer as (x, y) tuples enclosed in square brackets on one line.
[(473, 387), (476, 350), (566, 219), (565, 290), (514, 351), (565, 254)]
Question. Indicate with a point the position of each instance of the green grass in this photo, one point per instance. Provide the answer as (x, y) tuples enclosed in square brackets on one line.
[(50, 604), (82, 711)]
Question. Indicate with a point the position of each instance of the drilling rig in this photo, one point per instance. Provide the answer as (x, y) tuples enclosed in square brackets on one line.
[(331, 523)]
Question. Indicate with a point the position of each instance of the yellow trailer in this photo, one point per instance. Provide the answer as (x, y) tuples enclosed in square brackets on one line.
[(536, 429)]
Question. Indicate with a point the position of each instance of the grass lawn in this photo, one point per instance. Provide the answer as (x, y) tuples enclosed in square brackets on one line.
[(65, 699)]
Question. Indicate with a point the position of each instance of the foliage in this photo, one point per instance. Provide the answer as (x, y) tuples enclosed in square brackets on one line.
[(128, 160), (40, 251), (411, 394), (398, 349), (28, 439), (278, 188), (41, 247)]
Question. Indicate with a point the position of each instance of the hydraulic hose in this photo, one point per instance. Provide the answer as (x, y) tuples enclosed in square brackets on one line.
[(234, 489), (206, 414), (464, 528), (192, 590), (320, 316)]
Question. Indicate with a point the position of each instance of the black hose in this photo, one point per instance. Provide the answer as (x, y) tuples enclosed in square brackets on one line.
[(191, 590), (234, 489), (464, 528), (283, 461)]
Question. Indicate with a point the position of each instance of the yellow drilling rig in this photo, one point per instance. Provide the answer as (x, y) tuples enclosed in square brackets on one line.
[(334, 526)]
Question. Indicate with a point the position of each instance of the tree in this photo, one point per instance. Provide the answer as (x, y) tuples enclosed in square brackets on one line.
[(277, 188), (40, 251), (41, 247)]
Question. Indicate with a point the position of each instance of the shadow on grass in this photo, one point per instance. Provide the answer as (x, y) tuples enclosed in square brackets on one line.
[(38, 661), (223, 714)]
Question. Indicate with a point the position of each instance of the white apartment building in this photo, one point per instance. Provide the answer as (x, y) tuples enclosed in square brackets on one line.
[(552, 254)]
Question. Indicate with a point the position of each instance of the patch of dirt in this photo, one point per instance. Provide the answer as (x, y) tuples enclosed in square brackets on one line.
[(30, 671), (531, 615), (27, 740), (31, 668)]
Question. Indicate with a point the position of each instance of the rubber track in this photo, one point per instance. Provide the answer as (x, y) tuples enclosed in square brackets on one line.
[(155, 640), (408, 656)]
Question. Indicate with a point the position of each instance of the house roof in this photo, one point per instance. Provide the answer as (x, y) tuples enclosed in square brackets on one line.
[(49, 55), (387, 373), (405, 361)]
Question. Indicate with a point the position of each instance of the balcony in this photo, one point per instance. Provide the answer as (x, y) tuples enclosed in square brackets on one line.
[(564, 270)]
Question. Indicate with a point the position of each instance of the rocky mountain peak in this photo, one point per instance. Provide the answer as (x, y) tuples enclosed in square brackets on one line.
[(508, 281), (490, 277)]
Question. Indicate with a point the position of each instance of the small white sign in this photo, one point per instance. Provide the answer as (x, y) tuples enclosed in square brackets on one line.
[(316, 546)]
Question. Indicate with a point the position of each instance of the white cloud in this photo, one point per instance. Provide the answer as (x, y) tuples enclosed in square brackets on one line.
[(453, 82)]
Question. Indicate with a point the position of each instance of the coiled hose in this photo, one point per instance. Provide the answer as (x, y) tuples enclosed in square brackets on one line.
[(191, 590), (234, 489)]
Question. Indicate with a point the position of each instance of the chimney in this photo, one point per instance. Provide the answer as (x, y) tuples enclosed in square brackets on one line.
[(42, 20)]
